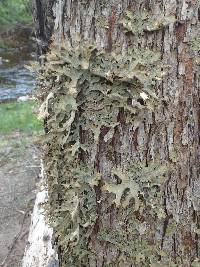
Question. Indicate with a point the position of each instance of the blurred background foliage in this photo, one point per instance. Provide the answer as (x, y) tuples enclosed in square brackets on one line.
[(15, 11)]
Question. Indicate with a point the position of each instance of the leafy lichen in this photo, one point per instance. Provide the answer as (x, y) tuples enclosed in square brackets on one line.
[(82, 90), (135, 182), (141, 22)]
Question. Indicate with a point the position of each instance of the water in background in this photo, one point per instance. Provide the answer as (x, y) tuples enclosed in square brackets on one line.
[(15, 79)]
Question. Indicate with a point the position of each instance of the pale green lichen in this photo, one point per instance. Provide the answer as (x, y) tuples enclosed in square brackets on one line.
[(135, 181), (195, 44), (173, 155), (83, 88), (195, 48), (141, 22)]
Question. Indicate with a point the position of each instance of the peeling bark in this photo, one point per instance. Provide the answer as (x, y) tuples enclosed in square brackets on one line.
[(39, 251)]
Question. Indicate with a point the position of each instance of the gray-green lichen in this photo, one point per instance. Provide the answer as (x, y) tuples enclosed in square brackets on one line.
[(195, 48), (141, 22), (136, 181), (82, 89)]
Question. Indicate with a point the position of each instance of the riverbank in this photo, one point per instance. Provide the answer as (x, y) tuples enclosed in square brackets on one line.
[(16, 36), (16, 50), (19, 128), (19, 173)]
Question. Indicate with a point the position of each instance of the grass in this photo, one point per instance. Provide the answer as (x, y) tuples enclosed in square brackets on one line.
[(19, 116), (12, 11), (3, 44)]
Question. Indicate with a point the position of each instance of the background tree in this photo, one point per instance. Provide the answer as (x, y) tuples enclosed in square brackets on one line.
[(122, 131)]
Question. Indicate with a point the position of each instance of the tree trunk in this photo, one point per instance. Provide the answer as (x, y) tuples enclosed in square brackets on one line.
[(135, 220), (39, 251), (44, 22)]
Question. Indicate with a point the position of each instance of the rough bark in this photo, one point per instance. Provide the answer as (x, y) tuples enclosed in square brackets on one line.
[(44, 22), (169, 134)]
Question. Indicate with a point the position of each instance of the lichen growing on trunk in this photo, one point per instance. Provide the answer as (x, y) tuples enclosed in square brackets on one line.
[(121, 108), (89, 87)]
